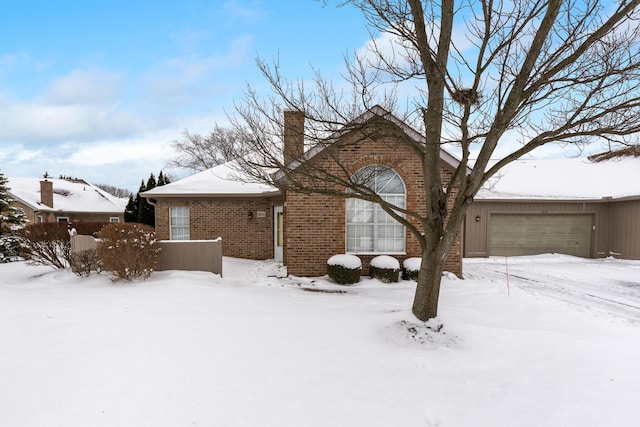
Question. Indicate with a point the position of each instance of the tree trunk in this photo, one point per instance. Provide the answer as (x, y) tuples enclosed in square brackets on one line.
[(425, 302)]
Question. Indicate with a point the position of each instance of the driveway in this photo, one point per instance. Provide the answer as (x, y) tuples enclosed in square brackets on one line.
[(609, 286)]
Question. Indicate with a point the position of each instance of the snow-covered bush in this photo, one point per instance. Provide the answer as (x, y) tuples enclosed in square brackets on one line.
[(84, 262), (411, 268), (10, 249), (47, 243), (12, 219), (344, 269), (128, 250), (385, 268)]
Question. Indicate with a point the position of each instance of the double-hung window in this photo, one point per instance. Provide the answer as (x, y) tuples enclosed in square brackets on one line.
[(179, 223), (369, 228)]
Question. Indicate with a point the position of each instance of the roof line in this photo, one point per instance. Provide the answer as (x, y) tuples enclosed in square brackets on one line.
[(375, 111), (265, 194)]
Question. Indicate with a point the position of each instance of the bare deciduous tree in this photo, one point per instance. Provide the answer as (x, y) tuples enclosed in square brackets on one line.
[(497, 79), (114, 191), (198, 153)]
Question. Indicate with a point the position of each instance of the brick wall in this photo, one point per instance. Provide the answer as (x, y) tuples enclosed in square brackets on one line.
[(315, 224), (242, 236)]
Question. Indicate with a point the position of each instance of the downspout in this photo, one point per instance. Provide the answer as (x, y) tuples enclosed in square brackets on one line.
[(152, 202)]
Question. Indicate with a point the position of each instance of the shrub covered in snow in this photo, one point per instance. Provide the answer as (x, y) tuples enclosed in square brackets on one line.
[(47, 243), (411, 268), (10, 249), (11, 220), (385, 268), (344, 269), (84, 262), (128, 250)]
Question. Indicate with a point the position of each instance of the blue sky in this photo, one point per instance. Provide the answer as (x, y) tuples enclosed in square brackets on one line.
[(98, 89)]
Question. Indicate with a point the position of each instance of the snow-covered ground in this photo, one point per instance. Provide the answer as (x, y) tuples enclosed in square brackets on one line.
[(252, 349), (608, 286)]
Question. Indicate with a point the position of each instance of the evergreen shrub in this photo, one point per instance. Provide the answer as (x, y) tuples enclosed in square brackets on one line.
[(10, 249), (128, 250), (385, 268), (12, 219), (411, 268), (344, 269)]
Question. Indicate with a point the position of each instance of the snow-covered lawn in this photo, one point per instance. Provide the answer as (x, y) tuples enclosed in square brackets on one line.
[(252, 349)]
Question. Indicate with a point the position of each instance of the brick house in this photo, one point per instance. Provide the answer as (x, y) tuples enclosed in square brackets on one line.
[(64, 200), (304, 230)]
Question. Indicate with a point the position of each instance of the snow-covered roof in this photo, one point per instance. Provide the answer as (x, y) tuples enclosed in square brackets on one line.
[(565, 179), (220, 180), (68, 196)]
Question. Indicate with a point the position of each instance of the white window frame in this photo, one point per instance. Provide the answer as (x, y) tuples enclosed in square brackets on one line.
[(114, 220), (39, 219), (178, 214), (379, 220), (62, 219)]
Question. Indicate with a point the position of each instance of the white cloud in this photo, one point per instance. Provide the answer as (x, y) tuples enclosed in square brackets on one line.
[(26, 155), (37, 122), (80, 106), (112, 152), (393, 48), (84, 87), (193, 76)]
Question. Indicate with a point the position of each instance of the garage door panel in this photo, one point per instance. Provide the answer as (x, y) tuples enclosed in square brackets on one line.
[(531, 234)]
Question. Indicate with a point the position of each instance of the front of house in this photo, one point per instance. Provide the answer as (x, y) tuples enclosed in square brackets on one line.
[(257, 221), (572, 206)]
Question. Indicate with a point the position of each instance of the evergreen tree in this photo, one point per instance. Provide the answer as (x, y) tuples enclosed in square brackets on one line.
[(132, 211), (146, 212), (11, 218), (162, 179)]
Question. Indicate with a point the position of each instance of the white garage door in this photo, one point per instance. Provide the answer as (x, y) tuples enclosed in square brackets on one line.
[(531, 234)]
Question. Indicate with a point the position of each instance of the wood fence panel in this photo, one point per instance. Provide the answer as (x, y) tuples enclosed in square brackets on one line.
[(81, 243), (190, 255)]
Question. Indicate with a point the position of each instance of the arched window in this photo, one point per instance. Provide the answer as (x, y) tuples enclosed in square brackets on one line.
[(369, 228)]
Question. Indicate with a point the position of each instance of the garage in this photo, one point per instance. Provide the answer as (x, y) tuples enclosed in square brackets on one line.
[(531, 234)]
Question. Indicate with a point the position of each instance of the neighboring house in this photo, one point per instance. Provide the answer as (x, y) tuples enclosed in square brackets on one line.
[(574, 206), (305, 230), (62, 200)]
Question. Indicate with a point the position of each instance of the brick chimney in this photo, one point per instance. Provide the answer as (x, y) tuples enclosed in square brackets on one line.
[(293, 135), (46, 193)]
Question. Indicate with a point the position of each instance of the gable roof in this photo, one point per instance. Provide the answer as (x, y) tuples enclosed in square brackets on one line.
[(221, 180), (224, 180), (68, 196), (372, 113), (565, 179)]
